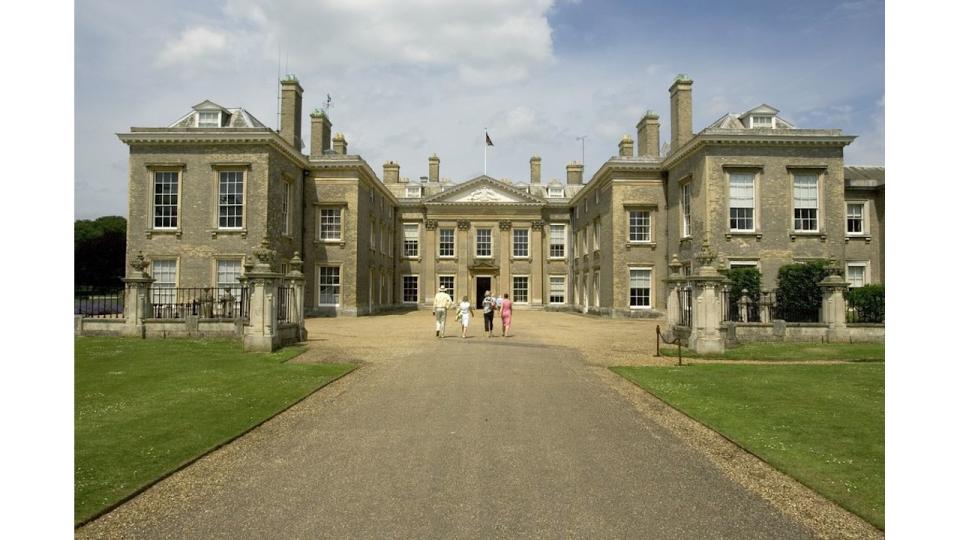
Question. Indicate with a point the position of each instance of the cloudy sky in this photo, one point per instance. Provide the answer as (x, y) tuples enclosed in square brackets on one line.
[(413, 78)]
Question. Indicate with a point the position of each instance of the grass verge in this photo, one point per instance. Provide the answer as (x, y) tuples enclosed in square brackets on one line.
[(850, 352), (143, 408), (820, 424)]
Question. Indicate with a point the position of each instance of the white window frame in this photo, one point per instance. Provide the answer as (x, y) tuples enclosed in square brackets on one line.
[(440, 242), (221, 206), (650, 288), (743, 263), (864, 221), (335, 218), (338, 286), (596, 234), (419, 192), (596, 288), (795, 176), (562, 244), (286, 205), (403, 288), (685, 198), (404, 229), (219, 119), (514, 289), (640, 225), (550, 288), (554, 192), (755, 124), (451, 290), (476, 242), (866, 272), (753, 217), (525, 244), (175, 206), (373, 232)]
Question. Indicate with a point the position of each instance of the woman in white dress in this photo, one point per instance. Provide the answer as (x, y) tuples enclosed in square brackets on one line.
[(466, 311)]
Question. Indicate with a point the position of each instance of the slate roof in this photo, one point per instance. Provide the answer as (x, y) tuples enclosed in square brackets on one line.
[(235, 117), (739, 121), (864, 175)]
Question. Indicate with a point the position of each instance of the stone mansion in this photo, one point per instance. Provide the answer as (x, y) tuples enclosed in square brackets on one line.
[(207, 190)]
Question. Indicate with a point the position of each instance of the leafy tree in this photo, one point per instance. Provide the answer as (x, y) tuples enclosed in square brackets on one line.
[(744, 278), (798, 295), (99, 251), (868, 302)]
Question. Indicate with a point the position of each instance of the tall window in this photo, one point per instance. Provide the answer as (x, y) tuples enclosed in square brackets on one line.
[(521, 243), (805, 202), (328, 286), (373, 233), (521, 289), (411, 292), (231, 200), (228, 281), (596, 288), (447, 282), (639, 226), (285, 209), (639, 288), (484, 243), (596, 234), (857, 274), (165, 281), (741, 201), (855, 215), (330, 223), (446, 244), (411, 240), (685, 208), (208, 119), (558, 289), (558, 240), (166, 199)]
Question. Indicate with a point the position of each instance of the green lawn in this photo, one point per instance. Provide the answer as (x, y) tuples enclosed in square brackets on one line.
[(143, 408), (852, 352), (821, 424)]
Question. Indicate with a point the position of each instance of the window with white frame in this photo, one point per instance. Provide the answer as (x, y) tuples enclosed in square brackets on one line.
[(596, 288), (558, 289), (743, 263), (596, 234), (231, 200), (166, 199), (805, 202), (555, 192), (164, 285), (558, 241), (411, 289), (373, 233), (411, 240), (741, 201), (856, 215), (383, 237), (447, 244), (640, 288), (448, 282), (521, 243), (285, 208), (685, 208), (328, 286), (639, 226), (413, 192), (330, 224), (761, 121), (521, 288), (228, 282), (857, 274), (207, 119), (484, 242)]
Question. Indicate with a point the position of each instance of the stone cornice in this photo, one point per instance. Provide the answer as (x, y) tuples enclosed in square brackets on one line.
[(753, 137), (193, 136)]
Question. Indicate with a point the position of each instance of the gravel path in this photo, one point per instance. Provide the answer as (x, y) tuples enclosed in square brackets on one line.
[(528, 436)]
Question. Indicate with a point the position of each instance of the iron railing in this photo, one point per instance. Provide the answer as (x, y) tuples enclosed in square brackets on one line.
[(285, 304), (685, 297), (99, 303), (203, 302)]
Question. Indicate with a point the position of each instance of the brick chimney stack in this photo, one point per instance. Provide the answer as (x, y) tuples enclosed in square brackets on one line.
[(626, 146), (681, 111), (391, 172), (574, 173), (319, 133), (648, 135), (535, 170), (434, 166), (339, 144), (291, 110)]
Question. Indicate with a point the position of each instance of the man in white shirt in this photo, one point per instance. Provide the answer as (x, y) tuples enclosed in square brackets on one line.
[(441, 302)]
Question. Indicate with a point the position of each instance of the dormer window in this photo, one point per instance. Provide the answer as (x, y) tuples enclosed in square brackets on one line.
[(761, 121), (208, 119), (413, 192), (555, 192)]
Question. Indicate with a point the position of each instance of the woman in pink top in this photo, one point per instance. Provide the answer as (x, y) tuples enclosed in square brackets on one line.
[(506, 312)]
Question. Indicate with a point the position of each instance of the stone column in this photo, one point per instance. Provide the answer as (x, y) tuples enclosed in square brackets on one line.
[(705, 336), (536, 265), (136, 301), (833, 308), (260, 334), (295, 278), (674, 283)]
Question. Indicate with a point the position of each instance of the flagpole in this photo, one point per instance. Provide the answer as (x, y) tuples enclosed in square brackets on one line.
[(483, 141)]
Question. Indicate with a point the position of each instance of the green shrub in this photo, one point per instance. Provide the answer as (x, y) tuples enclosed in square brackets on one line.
[(798, 295), (867, 303), (744, 278)]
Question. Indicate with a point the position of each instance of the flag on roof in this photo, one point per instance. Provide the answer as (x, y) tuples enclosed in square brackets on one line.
[(489, 142)]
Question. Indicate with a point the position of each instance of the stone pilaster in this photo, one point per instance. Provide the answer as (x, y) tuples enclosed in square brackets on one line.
[(428, 281), (136, 301), (503, 281), (464, 256), (536, 263), (833, 309)]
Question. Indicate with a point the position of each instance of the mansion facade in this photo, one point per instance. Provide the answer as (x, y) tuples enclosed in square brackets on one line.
[(208, 189)]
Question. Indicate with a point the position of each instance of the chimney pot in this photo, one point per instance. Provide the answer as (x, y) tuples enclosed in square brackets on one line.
[(391, 173), (626, 146), (574, 173), (339, 144)]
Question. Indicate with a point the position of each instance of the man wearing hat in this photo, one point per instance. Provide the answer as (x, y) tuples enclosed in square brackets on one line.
[(441, 302)]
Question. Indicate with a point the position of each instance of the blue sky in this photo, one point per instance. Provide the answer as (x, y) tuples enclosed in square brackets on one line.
[(426, 76)]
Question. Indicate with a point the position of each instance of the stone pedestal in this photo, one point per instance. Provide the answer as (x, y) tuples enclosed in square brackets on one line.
[(833, 308), (295, 278), (136, 301), (705, 336), (260, 334), (674, 283)]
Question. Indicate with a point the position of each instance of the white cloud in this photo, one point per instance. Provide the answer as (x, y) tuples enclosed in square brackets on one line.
[(195, 45)]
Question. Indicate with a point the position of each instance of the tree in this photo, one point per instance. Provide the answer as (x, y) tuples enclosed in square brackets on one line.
[(740, 279), (99, 252), (798, 294)]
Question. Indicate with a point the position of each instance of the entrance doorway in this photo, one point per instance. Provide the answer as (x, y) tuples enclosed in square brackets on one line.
[(483, 285)]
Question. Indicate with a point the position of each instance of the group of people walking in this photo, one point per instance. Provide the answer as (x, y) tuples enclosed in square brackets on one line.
[(442, 303)]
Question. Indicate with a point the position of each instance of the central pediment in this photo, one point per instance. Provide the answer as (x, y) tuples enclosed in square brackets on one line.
[(483, 189)]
